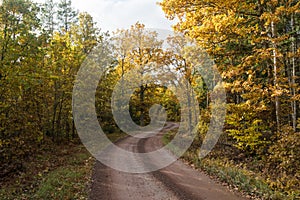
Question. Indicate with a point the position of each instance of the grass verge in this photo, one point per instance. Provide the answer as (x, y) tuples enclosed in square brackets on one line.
[(237, 177), (57, 172)]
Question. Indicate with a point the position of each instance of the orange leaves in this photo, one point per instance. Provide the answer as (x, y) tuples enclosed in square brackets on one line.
[(256, 47), (277, 91), (268, 18)]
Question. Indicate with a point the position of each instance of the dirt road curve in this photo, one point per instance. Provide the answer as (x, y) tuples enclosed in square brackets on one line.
[(177, 181)]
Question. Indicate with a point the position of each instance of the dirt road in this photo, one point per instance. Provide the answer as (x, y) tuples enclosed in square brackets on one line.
[(177, 181)]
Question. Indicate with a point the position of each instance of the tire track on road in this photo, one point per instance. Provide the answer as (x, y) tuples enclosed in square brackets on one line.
[(177, 181)]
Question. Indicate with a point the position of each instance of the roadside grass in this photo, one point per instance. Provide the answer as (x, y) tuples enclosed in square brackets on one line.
[(67, 182), (237, 177), (57, 172)]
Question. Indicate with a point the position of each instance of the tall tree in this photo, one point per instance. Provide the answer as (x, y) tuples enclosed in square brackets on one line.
[(180, 56), (49, 16), (66, 15), (86, 32), (66, 53), (144, 50)]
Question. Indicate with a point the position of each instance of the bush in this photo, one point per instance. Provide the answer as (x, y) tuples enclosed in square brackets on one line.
[(284, 162)]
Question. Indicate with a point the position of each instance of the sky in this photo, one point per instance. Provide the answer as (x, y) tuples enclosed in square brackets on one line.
[(119, 14)]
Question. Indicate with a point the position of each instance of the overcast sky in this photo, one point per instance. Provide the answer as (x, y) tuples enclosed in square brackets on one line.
[(113, 14)]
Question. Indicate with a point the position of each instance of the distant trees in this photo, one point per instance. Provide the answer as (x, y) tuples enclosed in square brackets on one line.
[(139, 49)]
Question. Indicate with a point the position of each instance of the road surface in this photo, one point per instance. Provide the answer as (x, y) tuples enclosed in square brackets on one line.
[(177, 181)]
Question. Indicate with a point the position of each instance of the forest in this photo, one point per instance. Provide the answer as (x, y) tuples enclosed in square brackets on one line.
[(255, 47)]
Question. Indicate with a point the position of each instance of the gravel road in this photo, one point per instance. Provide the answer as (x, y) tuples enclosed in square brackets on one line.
[(177, 181)]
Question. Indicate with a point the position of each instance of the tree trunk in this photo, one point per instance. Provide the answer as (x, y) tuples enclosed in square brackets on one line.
[(73, 129), (277, 106), (189, 107), (294, 105), (142, 98)]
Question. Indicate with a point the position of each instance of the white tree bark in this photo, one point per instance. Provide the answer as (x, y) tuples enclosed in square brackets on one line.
[(294, 105), (277, 106)]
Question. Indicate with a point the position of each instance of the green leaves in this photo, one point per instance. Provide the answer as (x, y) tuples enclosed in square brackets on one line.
[(38, 64)]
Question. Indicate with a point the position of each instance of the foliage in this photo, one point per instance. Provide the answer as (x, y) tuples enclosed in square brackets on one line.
[(255, 45), (21, 80), (238, 176), (250, 132), (38, 64), (138, 49), (56, 172), (284, 162)]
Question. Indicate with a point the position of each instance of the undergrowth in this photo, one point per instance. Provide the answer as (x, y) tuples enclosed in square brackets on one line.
[(237, 175), (57, 172)]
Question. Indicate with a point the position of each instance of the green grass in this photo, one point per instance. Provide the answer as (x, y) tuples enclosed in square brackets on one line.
[(238, 177), (63, 183)]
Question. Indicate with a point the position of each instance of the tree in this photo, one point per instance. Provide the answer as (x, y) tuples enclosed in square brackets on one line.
[(255, 45), (48, 17), (247, 40), (184, 58), (86, 33), (38, 65), (143, 51), (20, 78), (66, 15)]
